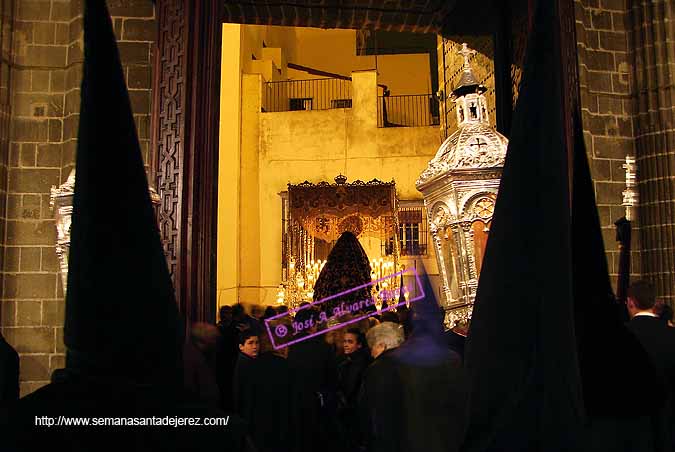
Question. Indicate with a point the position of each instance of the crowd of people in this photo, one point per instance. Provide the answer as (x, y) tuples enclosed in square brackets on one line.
[(304, 397), (376, 384), (350, 389)]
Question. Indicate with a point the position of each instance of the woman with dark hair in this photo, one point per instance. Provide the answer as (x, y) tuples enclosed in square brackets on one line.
[(351, 367), (269, 312)]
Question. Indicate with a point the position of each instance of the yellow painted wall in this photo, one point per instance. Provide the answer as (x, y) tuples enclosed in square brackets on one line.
[(227, 280), (261, 152), (332, 51), (317, 145)]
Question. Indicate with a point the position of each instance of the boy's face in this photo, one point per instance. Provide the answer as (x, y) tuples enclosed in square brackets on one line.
[(350, 343), (250, 347)]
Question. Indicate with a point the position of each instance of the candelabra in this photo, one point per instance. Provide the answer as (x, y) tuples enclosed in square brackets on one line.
[(387, 291), (299, 287)]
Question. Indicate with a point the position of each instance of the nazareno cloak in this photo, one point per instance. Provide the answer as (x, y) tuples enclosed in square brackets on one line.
[(122, 335), (9, 374), (552, 366)]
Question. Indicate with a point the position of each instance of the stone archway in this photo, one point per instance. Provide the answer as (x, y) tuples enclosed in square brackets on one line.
[(186, 108)]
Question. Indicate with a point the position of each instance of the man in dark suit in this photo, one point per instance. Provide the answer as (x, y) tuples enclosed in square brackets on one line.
[(9, 373), (313, 385), (381, 403), (656, 337)]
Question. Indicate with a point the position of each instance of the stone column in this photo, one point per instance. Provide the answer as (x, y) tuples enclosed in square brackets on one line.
[(651, 35)]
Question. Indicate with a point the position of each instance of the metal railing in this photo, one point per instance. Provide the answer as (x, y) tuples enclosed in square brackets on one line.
[(417, 110), (317, 94)]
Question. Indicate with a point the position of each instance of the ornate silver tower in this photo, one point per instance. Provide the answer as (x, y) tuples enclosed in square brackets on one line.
[(61, 202), (460, 188)]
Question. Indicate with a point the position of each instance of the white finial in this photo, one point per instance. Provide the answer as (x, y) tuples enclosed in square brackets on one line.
[(630, 195), (466, 53)]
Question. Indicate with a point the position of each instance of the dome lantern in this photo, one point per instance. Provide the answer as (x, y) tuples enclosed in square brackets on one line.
[(460, 187)]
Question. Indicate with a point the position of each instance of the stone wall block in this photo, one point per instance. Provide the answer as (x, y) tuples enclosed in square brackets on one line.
[(612, 40), (33, 339), (24, 104), (55, 106), (34, 367), (612, 147), (140, 101), (625, 126), (27, 156), (21, 81), (12, 259), (131, 8), (31, 258), (601, 20), (61, 11), (72, 104), (592, 38), (33, 9), (62, 34), (601, 169), (139, 77), (23, 35), (143, 126), (42, 55), (600, 82), (57, 81), (618, 172), (46, 212), (138, 30), (75, 52), (58, 340), (55, 130), (28, 313), (44, 33), (608, 192), (31, 130), (53, 312), (134, 52), (620, 84), (40, 81), (34, 285), (74, 77), (49, 260), (604, 215), (609, 239), (31, 232), (599, 60), (38, 180), (610, 104), (56, 362), (614, 5), (49, 155), (68, 156), (30, 207), (8, 313), (70, 127), (595, 124)]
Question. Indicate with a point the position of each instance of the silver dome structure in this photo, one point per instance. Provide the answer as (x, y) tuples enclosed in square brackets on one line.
[(460, 187)]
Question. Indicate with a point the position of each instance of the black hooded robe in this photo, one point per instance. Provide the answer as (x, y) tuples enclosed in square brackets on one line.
[(313, 381), (9, 373)]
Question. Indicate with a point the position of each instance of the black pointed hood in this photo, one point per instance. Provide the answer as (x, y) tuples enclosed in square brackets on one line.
[(121, 315), (347, 267), (521, 350)]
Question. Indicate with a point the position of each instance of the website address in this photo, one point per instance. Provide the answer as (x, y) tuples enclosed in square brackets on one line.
[(155, 421)]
